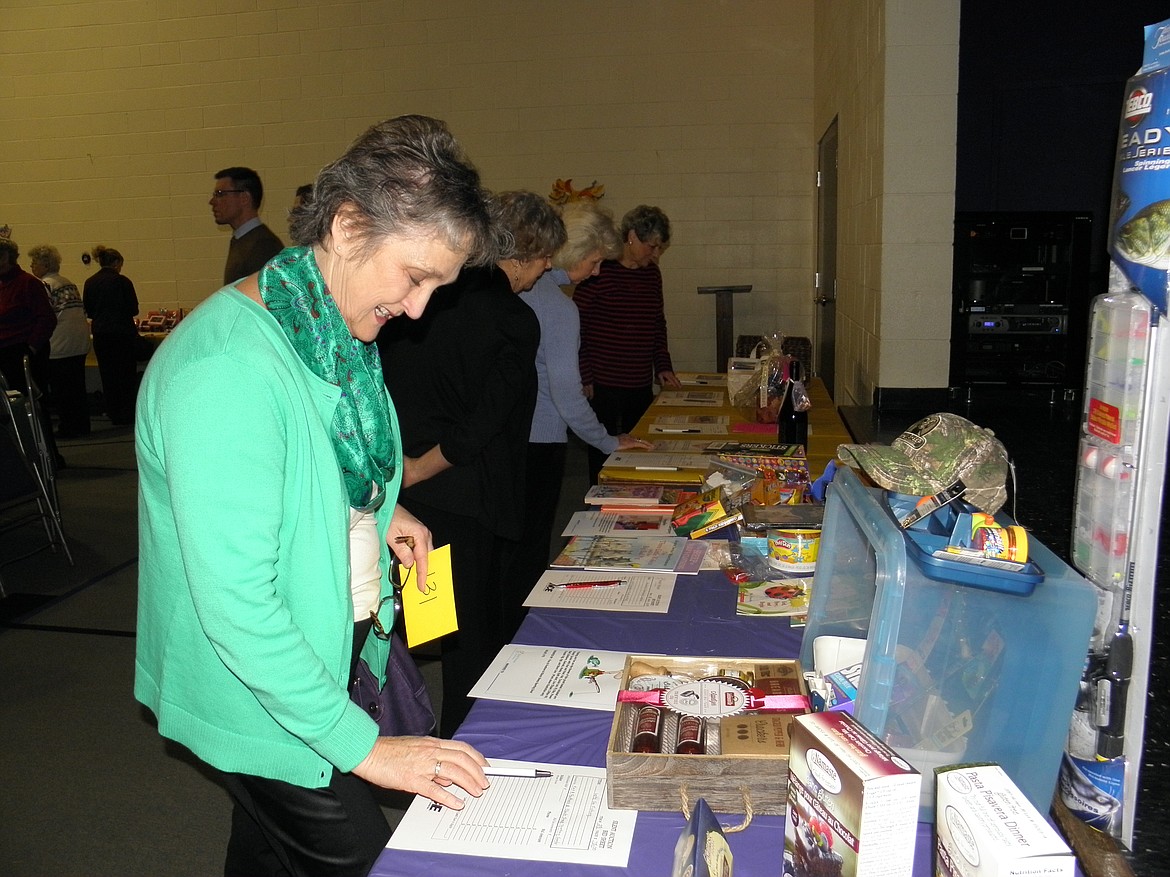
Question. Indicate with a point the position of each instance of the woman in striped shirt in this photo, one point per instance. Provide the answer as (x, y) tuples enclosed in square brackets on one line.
[(623, 328)]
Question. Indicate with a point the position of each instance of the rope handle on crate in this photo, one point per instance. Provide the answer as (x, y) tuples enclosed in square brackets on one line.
[(728, 829)]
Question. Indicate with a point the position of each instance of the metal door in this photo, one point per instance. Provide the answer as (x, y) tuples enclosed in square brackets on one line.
[(825, 293)]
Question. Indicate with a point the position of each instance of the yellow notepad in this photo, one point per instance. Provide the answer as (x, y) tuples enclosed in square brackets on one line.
[(430, 615)]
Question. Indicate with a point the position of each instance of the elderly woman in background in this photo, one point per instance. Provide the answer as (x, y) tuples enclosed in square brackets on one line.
[(560, 402), (111, 305), (464, 381), (26, 320), (269, 467), (623, 328), (69, 345)]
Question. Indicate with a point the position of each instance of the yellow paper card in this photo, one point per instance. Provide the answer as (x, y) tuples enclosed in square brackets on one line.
[(430, 615)]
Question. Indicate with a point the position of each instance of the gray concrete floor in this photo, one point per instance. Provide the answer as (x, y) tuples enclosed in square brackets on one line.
[(89, 788)]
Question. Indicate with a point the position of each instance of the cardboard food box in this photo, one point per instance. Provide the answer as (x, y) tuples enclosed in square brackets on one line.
[(746, 758), (852, 802), (987, 828)]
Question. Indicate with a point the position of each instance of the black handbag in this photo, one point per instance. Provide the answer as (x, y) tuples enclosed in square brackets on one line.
[(402, 707)]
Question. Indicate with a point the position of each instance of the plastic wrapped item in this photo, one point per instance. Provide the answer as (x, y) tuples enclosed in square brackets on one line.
[(800, 398), (733, 480), (762, 394), (747, 563)]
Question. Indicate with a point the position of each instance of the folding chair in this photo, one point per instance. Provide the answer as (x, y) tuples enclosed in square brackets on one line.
[(27, 469)]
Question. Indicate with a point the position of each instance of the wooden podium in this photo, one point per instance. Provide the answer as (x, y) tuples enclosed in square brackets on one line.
[(724, 320)]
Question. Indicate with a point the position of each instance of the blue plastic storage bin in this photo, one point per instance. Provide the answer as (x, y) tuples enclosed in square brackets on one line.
[(952, 672)]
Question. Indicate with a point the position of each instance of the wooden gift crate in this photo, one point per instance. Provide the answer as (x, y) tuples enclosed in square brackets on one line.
[(729, 783)]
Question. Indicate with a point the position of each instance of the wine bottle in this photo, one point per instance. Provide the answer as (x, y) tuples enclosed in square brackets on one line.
[(792, 425)]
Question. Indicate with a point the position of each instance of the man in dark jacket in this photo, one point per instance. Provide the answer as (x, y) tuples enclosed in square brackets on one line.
[(235, 201)]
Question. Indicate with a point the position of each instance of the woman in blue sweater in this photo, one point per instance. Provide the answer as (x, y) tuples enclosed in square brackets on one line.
[(269, 466), (560, 400)]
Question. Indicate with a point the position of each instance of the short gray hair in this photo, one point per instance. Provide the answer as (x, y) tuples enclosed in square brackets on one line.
[(527, 225), (590, 229), (403, 176), (46, 255), (647, 223)]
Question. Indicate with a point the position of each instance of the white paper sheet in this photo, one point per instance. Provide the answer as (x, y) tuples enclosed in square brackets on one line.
[(688, 379), (582, 678), (628, 524), (690, 398), (653, 461), (642, 592), (562, 818), (681, 446), (691, 419)]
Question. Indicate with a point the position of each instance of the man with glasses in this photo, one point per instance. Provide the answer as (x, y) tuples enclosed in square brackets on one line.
[(236, 202)]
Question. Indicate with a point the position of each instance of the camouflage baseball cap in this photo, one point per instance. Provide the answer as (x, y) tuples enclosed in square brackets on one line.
[(932, 455)]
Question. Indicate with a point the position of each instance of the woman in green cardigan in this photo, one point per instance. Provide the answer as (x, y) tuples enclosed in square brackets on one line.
[(269, 462)]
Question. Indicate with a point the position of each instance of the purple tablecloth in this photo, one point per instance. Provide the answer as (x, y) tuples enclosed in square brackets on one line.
[(701, 621)]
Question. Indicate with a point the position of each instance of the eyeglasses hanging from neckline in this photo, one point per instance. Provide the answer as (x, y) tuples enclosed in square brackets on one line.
[(397, 580)]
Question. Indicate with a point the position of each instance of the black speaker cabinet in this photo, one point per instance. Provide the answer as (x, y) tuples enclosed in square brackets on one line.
[(1020, 299)]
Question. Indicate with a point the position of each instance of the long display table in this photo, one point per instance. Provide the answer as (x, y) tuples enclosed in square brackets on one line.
[(701, 621)]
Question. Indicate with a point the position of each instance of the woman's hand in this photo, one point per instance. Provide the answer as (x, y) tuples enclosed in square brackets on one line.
[(410, 540), (587, 390), (425, 766), (627, 442), (669, 380)]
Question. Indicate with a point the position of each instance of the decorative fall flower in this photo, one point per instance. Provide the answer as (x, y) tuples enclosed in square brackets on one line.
[(564, 193)]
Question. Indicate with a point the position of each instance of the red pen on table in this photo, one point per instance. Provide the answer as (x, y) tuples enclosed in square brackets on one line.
[(569, 586)]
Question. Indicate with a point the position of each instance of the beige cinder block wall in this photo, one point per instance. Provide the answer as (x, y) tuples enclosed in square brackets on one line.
[(117, 114), (888, 70)]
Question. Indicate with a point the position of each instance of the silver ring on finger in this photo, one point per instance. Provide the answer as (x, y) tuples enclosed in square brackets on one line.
[(438, 768)]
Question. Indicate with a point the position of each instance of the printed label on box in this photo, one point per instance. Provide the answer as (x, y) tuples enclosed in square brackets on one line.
[(986, 828), (852, 802)]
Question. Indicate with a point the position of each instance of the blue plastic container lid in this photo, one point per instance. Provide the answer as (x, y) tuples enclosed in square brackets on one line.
[(933, 533)]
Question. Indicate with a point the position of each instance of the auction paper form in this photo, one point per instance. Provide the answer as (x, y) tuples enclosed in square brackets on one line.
[(562, 818), (692, 420), (702, 398), (630, 523), (682, 446), (639, 591), (582, 678), (651, 460)]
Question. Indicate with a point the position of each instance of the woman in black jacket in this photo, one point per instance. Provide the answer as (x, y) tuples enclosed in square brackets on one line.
[(111, 305)]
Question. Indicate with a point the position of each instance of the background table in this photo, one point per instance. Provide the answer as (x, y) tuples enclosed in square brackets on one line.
[(826, 429)]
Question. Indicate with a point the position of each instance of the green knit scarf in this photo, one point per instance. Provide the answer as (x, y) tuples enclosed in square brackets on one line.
[(295, 294)]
